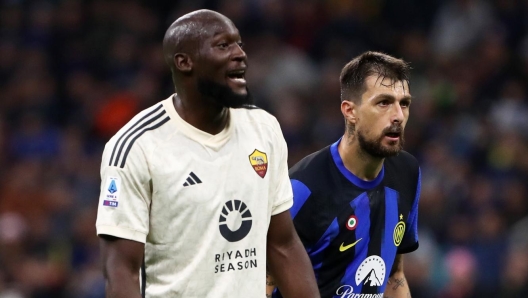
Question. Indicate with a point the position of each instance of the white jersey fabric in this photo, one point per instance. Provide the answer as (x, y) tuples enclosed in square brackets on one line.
[(201, 203)]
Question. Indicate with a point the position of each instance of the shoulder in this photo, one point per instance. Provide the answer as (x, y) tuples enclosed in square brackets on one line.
[(257, 120), (120, 145), (313, 167), (148, 119), (402, 171), (403, 161), (255, 115)]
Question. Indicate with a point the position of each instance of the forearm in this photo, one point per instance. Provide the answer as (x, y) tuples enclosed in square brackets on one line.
[(292, 271), (121, 260), (121, 284), (270, 284), (397, 287)]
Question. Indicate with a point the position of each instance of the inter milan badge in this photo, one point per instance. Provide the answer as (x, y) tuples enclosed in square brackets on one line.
[(399, 231), (259, 161)]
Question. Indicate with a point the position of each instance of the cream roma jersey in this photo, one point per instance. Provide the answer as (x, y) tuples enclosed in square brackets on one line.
[(201, 203)]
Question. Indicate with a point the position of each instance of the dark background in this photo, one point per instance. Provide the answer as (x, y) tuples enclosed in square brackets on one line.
[(73, 72)]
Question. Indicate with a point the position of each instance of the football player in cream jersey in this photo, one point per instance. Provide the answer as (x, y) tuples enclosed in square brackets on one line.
[(195, 190)]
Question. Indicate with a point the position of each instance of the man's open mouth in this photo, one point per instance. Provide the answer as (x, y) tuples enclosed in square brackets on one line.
[(238, 76)]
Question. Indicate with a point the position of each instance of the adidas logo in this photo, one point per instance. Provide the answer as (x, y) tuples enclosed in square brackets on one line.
[(192, 180)]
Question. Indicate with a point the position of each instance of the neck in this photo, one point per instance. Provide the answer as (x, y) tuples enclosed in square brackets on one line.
[(357, 161), (200, 112)]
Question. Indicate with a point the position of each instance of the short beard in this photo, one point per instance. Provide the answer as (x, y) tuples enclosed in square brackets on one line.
[(375, 148), (223, 95)]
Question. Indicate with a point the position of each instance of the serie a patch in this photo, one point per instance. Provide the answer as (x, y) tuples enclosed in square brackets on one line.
[(113, 187)]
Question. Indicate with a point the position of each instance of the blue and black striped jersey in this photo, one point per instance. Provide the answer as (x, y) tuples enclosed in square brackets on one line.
[(352, 229)]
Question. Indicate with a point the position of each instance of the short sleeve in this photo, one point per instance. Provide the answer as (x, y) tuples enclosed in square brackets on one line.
[(281, 190), (410, 239), (125, 196)]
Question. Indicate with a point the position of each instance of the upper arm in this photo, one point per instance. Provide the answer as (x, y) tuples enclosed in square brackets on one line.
[(122, 261), (121, 257), (281, 232), (125, 195), (397, 267)]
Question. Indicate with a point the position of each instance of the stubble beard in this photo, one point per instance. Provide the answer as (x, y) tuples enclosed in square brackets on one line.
[(374, 147), (223, 95)]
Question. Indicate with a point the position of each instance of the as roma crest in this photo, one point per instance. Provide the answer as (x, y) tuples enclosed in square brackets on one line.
[(259, 161)]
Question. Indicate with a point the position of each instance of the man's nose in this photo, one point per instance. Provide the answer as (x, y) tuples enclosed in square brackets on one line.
[(239, 54), (397, 115)]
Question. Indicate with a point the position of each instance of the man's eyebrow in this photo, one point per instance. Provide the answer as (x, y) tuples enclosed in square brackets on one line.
[(218, 33), (386, 95)]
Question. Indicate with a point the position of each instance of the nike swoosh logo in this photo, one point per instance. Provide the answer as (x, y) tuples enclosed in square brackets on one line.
[(343, 248)]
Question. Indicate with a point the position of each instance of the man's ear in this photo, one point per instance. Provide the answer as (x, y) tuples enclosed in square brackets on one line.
[(183, 62), (349, 108)]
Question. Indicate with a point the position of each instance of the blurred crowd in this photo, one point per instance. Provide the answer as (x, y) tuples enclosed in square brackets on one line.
[(74, 71)]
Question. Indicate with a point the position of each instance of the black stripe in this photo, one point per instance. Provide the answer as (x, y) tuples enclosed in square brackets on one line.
[(135, 131), (143, 279), (377, 230), (401, 209), (190, 181), (186, 184), (139, 121), (136, 137), (335, 262), (195, 177)]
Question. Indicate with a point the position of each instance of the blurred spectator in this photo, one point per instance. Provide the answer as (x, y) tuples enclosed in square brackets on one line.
[(461, 268), (458, 26)]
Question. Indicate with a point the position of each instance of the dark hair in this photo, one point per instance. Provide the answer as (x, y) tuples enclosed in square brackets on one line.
[(369, 63)]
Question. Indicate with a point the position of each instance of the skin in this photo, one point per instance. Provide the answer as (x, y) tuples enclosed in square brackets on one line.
[(121, 260), (288, 261), (384, 103), (218, 52), (397, 286), (209, 54)]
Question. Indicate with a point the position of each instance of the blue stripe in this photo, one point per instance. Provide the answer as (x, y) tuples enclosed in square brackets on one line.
[(412, 221), (317, 255), (361, 206), (351, 177), (388, 248), (301, 193)]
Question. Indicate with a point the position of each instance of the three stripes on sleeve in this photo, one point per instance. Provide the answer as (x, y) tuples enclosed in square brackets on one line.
[(152, 120)]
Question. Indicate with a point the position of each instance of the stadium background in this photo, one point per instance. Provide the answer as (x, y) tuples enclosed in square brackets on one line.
[(72, 72)]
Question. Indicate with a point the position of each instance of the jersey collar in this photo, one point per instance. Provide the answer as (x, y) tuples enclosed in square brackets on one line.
[(349, 175), (215, 142)]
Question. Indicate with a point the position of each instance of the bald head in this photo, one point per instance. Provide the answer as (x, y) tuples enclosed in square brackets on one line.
[(187, 32)]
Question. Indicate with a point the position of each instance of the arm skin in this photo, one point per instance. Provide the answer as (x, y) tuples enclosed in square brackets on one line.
[(287, 259), (122, 260), (397, 286), (270, 284)]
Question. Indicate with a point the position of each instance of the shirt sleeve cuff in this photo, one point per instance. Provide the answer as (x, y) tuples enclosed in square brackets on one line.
[(281, 207), (121, 233), (405, 250)]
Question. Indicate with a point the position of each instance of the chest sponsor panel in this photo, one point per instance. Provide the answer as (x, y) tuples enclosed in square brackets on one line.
[(230, 178)]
